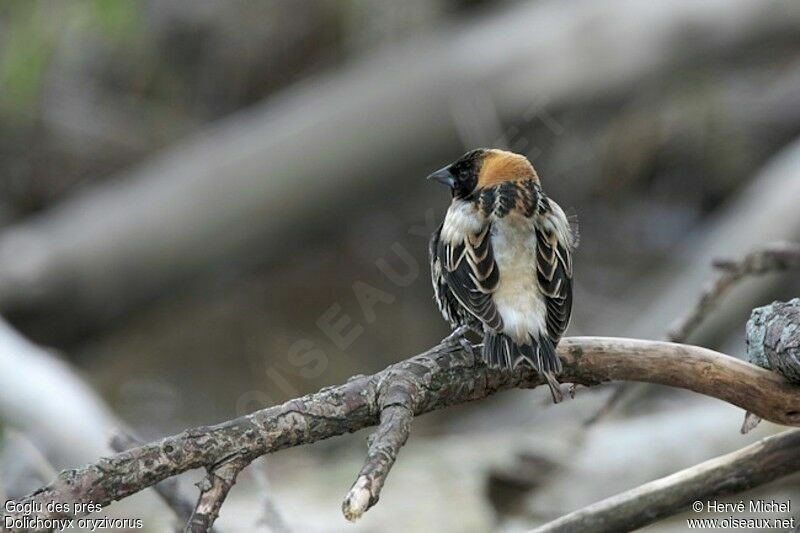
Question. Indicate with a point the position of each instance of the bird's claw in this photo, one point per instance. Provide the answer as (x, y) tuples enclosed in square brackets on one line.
[(458, 337), (467, 346)]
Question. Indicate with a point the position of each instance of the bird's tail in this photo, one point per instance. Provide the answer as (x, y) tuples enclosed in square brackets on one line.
[(499, 350)]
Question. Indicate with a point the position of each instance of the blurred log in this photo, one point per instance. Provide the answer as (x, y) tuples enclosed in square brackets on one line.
[(595, 464), (44, 398), (244, 186), (767, 460)]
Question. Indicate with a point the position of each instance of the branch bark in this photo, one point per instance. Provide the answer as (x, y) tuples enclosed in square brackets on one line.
[(213, 490), (447, 374), (168, 489), (773, 337), (754, 465)]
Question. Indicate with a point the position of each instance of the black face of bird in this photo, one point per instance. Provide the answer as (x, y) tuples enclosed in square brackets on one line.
[(462, 175)]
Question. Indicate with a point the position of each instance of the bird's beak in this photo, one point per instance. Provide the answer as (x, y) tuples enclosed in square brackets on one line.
[(443, 176)]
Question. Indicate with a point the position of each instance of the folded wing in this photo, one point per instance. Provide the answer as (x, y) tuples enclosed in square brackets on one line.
[(470, 274), (554, 274)]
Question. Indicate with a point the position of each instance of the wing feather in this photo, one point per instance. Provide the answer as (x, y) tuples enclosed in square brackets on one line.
[(448, 305), (554, 274), (471, 274)]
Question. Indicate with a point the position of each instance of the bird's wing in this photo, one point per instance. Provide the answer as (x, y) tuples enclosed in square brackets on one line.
[(446, 300), (554, 274), (469, 271)]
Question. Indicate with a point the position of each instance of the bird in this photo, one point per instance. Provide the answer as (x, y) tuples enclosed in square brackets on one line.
[(501, 261)]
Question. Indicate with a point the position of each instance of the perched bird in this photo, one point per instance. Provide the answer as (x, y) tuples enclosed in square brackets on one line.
[(501, 261)]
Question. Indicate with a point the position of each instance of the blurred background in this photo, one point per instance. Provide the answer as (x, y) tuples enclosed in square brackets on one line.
[(209, 207)]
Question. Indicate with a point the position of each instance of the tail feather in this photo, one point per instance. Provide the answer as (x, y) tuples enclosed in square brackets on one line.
[(499, 350), (550, 361)]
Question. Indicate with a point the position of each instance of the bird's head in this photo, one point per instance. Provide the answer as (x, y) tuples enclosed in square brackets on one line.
[(483, 168)]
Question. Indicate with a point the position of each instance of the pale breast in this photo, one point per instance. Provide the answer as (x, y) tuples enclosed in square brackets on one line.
[(461, 220), (517, 298)]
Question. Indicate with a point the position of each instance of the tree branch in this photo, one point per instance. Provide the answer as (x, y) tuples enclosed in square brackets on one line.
[(168, 489), (447, 374), (384, 445), (775, 257), (213, 490), (754, 465)]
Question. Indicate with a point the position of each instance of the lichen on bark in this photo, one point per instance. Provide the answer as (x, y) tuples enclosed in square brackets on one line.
[(773, 338)]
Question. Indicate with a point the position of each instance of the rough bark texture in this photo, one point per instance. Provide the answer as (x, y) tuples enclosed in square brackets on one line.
[(773, 338), (213, 490), (168, 489), (384, 445), (445, 375), (773, 342), (759, 463)]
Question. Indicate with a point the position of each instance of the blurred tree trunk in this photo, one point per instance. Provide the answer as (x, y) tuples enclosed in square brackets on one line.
[(248, 185)]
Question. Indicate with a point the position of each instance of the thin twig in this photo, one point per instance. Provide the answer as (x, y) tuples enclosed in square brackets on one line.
[(384, 445), (445, 375), (214, 489), (775, 257), (759, 463)]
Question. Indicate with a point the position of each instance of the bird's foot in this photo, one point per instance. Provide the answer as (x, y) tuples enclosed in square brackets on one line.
[(459, 337), (456, 335), (572, 388), (468, 347)]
